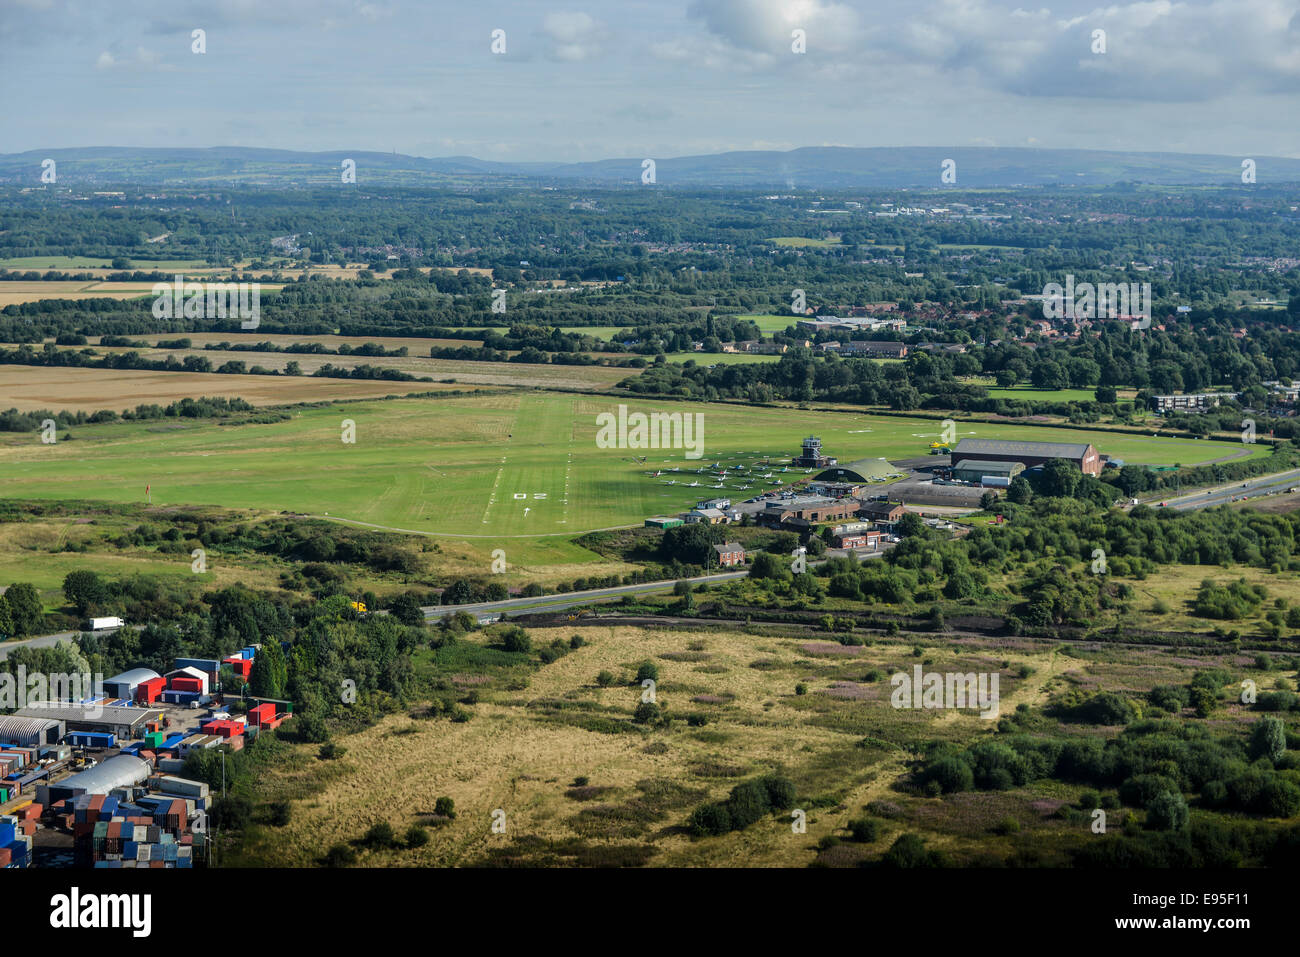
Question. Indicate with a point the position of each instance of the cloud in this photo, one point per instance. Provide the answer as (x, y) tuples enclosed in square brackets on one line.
[(765, 26), (574, 36), (140, 59), (1155, 50)]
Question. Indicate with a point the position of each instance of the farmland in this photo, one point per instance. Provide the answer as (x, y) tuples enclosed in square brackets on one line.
[(515, 465), (28, 388)]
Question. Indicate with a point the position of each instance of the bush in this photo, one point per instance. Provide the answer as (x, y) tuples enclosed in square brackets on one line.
[(330, 751), (647, 671), (951, 774), (515, 639), (445, 807), (380, 836), (280, 812), (1268, 739), (801, 689), (647, 712), (908, 851), (416, 836), (710, 820), (340, 855), (1167, 812), (865, 830)]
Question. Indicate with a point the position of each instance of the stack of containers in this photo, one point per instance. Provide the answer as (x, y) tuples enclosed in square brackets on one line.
[(147, 691), (15, 848)]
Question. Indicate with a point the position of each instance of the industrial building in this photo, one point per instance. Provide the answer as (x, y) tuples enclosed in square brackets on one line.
[(30, 732), (976, 470), (119, 771), (803, 511), (124, 722), (882, 513), (1030, 454), (858, 473), (125, 685)]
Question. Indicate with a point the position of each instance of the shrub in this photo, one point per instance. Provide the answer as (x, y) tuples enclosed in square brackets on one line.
[(380, 836), (445, 807), (801, 689), (280, 812), (416, 836), (647, 671), (1167, 812), (605, 679), (516, 639), (908, 851), (710, 820), (647, 712), (865, 830), (330, 751), (340, 855), (1268, 739)]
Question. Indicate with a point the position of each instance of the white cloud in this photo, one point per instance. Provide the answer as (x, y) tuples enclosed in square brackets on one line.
[(574, 36)]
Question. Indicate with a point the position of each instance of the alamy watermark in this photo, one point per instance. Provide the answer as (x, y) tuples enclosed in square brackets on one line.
[(1105, 300), (40, 690), (654, 430), (209, 300), (953, 690)]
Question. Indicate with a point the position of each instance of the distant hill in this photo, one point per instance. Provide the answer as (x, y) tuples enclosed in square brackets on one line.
[(810, 167)]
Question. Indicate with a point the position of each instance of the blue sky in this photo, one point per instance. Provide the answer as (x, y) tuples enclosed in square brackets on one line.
[(617, 78)]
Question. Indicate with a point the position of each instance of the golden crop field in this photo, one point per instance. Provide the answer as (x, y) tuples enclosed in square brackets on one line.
[(28, 388)]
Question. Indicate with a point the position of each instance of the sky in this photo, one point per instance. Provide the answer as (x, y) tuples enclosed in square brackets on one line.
[(625, 78)]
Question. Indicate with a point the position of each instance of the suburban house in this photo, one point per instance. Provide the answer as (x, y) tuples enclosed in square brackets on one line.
[(730, 553)]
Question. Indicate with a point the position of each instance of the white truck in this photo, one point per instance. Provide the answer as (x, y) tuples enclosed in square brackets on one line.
[(100, 624)]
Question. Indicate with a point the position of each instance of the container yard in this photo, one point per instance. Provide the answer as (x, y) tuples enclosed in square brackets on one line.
[(104, 778)]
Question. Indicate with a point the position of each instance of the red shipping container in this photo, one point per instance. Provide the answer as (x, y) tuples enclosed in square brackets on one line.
[(148, 691), (187, 684), (262, 713), (6, 857)]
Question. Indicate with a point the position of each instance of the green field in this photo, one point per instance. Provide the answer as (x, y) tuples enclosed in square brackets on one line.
[(719, 358), (803, 241), (521, 465), (92, 262)]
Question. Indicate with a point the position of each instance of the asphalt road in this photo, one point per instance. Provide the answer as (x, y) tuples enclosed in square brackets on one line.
[(574, 599), (1224, 494)]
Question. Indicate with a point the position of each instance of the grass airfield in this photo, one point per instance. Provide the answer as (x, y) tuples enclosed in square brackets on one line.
[(513, 465)]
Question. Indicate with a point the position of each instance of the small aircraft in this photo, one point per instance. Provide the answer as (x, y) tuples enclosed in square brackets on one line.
[(694, 484), (671, 482), (719, 485)]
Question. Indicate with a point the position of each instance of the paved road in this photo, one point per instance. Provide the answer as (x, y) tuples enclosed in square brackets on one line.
[(1223, 494), (574, 599), (41, 641)]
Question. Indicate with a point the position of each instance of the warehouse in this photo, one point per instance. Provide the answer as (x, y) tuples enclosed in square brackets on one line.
[(124, 685), (120, 771), (29, 732), (1029, 454), (96, 716), (976, 470), (858, 473)]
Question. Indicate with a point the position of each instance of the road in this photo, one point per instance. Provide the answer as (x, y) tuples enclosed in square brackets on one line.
[(574, 599), (41, 641), (1224, 494)]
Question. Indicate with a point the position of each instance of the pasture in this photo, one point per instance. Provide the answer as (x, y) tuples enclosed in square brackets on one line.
[(517, 465)]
